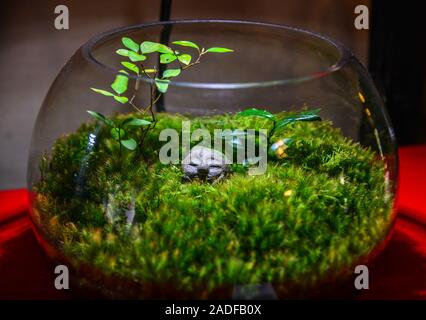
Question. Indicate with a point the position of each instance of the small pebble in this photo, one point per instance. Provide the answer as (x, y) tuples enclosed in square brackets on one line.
[(288, 193)]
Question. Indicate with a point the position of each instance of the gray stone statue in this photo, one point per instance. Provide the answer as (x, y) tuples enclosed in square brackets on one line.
[(205, 164)]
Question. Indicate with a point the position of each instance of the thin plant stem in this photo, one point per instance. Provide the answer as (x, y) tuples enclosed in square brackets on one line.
[(119, 144)]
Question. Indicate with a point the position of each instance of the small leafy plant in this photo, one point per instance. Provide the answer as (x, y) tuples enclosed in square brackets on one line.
[(280, 124), (276, 149), (137, 54), (118, 132)]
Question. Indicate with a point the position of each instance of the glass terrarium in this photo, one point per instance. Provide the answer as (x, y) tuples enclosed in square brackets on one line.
[(212, 159)]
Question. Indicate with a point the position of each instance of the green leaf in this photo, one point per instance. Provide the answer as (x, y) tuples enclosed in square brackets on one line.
[(167, 58), (100, 117), (131, 66), (129, 43), (104, 92), (311, 115), (149, 47), (164, 49), (133, 56), (185, 58), (123, 52), (120, 83), (117, 133), (185, 43), (129, 144), (171, 73), (122, 100), (162, 84), (136, 122), (219, 50), (258, 113)]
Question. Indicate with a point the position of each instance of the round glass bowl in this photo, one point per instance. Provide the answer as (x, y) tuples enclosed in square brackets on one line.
[(290, 218)]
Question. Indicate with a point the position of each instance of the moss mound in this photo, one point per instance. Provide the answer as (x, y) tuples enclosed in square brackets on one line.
[(308, 217)]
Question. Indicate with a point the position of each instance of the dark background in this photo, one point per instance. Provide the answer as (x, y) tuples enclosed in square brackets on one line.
[(397, 53), (32, 53)]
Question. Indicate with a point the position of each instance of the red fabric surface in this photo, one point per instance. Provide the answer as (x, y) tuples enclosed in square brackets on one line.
[(399, 272)]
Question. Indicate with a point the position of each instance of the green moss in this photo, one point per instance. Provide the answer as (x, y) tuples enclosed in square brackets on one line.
[(309, 216)]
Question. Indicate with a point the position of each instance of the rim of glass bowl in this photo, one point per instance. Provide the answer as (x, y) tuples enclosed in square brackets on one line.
[(344, 53)]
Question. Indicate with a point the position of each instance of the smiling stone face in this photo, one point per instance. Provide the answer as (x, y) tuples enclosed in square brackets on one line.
[(205, 164)]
